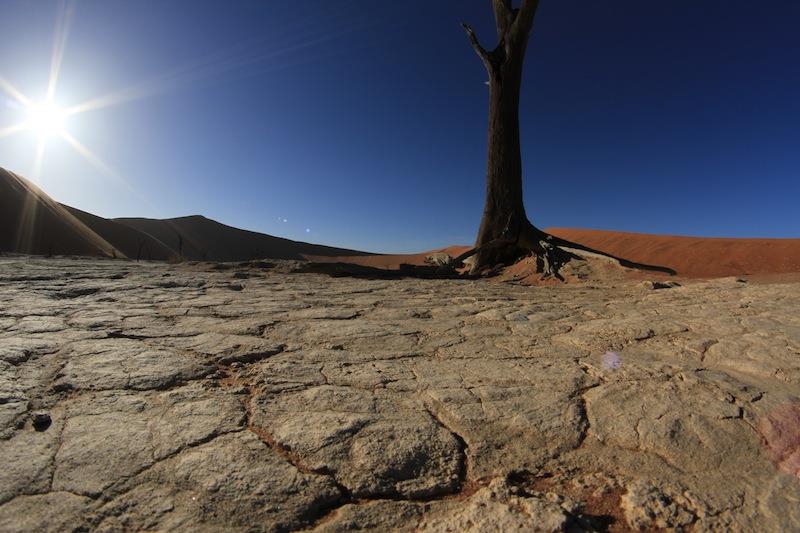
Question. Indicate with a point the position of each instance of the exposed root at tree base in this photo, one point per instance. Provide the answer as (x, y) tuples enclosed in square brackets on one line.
[(529, 253), (549, 253)]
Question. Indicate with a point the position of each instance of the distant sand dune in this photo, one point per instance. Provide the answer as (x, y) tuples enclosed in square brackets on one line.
[(132, 242), (31, 222), (206, 239), (694, 257)]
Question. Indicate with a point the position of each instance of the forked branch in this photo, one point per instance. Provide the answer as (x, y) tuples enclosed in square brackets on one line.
[(513, 26), (480, 50), (503, 16), (523, 22)]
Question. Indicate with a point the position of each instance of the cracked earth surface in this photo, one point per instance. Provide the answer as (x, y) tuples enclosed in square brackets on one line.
[(246, 398)]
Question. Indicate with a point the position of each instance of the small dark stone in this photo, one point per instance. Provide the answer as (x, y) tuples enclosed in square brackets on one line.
[(62, 387), (41, 421)]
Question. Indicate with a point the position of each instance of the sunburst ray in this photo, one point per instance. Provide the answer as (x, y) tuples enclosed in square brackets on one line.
[(93, 159), (63, 22), (237, 57), (14, 93), (38, 160), (106, 169), (221, 62), (11, 130)]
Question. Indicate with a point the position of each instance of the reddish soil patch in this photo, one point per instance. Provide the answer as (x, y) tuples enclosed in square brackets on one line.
[(600, 509), (780, 430)]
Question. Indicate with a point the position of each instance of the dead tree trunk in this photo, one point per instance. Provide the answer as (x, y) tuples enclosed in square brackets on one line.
[(505, 232)]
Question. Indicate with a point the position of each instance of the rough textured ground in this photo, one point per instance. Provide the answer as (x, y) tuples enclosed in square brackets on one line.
[(207, 398)]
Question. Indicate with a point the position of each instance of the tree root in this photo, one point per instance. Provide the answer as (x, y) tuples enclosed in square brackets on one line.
[(550, 259), (551, 253)]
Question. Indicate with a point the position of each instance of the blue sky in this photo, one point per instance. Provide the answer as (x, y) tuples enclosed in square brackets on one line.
[(363, 124)]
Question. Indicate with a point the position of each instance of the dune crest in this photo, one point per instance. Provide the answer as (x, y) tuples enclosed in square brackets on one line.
[(33, 223)]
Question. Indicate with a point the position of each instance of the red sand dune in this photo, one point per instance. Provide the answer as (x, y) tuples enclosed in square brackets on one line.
[(691, 257), (694, 257)]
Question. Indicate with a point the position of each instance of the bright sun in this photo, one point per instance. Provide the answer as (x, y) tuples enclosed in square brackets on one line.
[(46, 119)]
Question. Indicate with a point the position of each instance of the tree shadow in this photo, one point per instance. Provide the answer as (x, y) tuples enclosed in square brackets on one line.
[(351, 270)]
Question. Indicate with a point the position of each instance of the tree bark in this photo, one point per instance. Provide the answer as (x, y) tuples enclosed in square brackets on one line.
[(505, 233), (504, 219)]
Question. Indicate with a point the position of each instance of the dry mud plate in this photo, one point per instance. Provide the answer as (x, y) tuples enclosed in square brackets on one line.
[(208, 398)]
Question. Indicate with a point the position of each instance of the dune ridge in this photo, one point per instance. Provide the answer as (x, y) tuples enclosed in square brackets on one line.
[(201, 238), (132, 242), (33, 223)]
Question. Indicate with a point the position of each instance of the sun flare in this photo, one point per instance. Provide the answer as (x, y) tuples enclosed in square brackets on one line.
[(46, 119)]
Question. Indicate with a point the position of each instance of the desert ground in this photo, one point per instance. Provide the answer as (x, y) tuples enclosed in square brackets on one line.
[(247, 397)]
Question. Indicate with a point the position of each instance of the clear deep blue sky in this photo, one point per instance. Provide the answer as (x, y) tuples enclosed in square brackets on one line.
[(365, 121)]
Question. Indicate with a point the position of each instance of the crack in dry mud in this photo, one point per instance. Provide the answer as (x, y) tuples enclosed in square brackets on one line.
[(420, 398)]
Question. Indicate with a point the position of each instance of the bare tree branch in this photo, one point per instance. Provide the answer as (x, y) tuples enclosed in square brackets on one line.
[(480, 50), (523, 22), (503, 16)]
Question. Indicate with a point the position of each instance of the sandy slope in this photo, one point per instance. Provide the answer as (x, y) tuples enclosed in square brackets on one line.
[(130, 241), (695, 257), (206, 239), (32, 222)]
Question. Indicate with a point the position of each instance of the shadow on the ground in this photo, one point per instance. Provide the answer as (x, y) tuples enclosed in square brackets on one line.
[(342, 270)]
